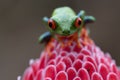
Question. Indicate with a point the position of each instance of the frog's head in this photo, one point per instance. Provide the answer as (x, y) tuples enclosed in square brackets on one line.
[(64, 25), (65, 22)]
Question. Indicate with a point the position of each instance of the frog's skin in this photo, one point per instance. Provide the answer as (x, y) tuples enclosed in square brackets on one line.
[(64, 19)]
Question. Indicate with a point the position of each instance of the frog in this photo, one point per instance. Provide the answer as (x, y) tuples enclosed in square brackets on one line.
[(65, 24)]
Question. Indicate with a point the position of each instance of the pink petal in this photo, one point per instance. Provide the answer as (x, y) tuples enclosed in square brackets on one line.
[(42, 62), (80, 56), (108, 56), (103, 70), (61, 76), (114, 68), (104, 61), (63, 53), (85, 52), (77, 78), (77, 48), (66, 48), (83, 74), (96, 59), (53, 55), (35, 66), (72, 57), (90, 59), (71, 73), (96, 76), (28, 75), (67, 62), (89, 67), (47, 78), (90, 48), (112, 76), (52, 62), (50, 71), (58, 59), (60, 66), (39, 75), (77, 64)]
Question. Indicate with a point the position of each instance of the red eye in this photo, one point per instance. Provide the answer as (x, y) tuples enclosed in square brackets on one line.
[(51, 24), (78, 22)]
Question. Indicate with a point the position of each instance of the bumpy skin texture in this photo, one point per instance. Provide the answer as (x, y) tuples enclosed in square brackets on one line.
[(74, 62)]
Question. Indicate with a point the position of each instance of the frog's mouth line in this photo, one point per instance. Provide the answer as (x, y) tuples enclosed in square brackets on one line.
[(67, 35)]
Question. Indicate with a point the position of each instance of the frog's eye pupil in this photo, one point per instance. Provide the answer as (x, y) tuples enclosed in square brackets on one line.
[(51, 24), (78, 22)]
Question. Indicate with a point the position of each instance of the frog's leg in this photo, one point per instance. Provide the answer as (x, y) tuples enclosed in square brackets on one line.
[(86, 19), (81, 14), (89, 19), (45, 37)]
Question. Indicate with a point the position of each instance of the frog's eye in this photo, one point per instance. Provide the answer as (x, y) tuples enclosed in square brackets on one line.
[(78, 22), (51, 24)]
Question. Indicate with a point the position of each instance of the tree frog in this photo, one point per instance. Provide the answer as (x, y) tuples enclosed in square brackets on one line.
[(64, 23)]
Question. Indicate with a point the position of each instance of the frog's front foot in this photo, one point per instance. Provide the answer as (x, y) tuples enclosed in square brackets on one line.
[(45, 37)]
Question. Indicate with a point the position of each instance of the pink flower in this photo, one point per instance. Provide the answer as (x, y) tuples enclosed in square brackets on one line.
[(73, 62)]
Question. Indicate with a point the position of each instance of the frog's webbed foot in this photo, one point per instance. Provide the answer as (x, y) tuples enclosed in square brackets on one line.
[(45, 38)]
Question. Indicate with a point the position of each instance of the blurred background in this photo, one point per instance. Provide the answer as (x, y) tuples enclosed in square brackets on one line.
[(21, 24)]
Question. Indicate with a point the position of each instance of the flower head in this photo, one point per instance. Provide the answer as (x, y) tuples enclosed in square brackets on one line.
[(73, 62)]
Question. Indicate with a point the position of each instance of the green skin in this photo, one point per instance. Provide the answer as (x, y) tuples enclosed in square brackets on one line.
[(64, 18)]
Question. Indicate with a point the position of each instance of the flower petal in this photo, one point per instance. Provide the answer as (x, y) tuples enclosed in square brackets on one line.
[(77, 64), (96, 76), (89, 67), (60, 66), (28, 75), (77, 78), (39, 75), (83, 74), (102, 69), (67, 62), (50, 71), (71, 73), (61, 76), (112, 76)]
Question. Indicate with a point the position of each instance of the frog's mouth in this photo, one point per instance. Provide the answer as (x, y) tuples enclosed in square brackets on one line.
[(66, 35)]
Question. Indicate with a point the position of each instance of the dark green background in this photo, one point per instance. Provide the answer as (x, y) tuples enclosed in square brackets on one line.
[(21, 24)]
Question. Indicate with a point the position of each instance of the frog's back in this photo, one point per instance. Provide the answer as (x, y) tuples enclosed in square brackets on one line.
[(63, 10)]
